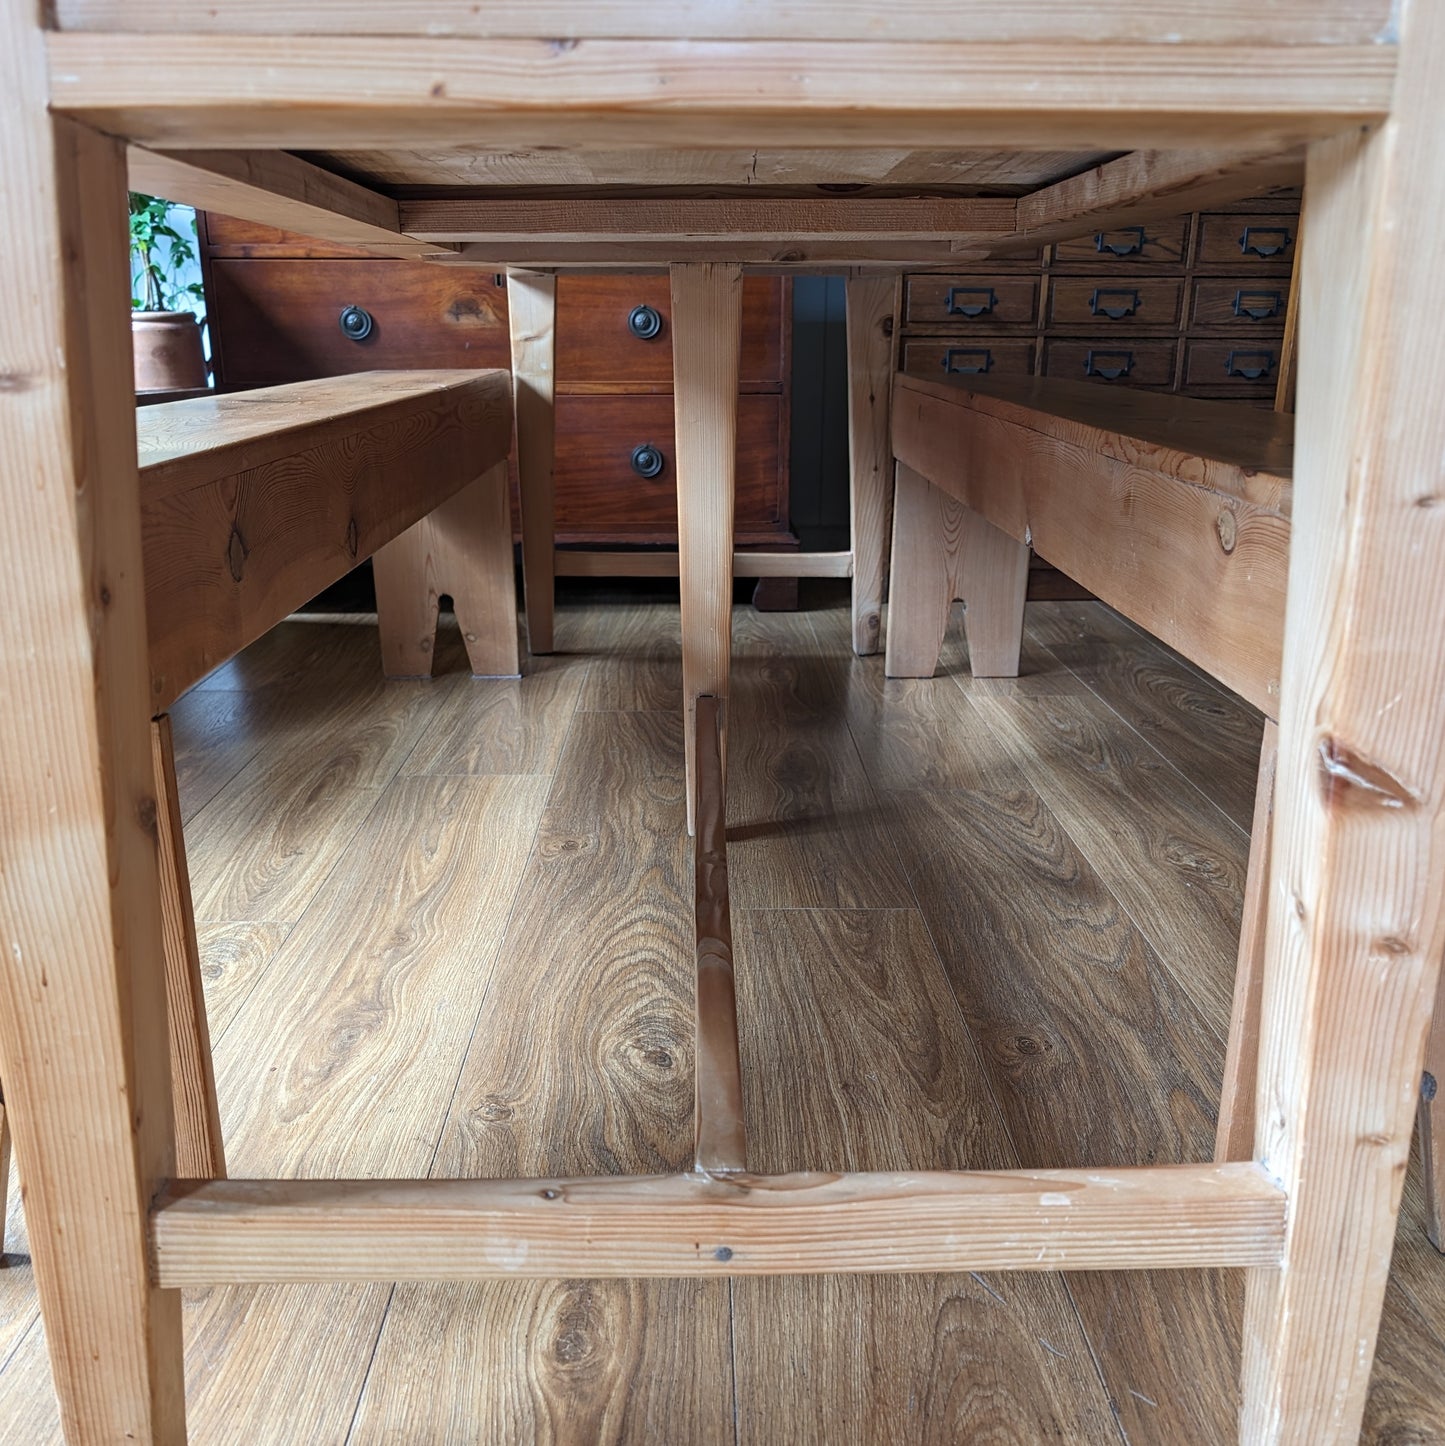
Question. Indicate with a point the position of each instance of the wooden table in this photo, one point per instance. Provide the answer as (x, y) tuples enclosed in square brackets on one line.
[(562, 134)]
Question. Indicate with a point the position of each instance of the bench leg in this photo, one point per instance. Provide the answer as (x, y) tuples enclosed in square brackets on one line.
[(943, 551), (464, 549), (706, 338), (84, 1051), (872, 310), (1234, 1136), (532, 312), (1356, 916), (200, 1154)]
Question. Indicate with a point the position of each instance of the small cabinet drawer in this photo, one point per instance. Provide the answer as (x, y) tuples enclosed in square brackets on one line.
[(622, 334), (1158, 241), (616, 465), (284, 323), (1261, 242), (933, 356), (1244, 304), (981, 301), (1111, 359), (1233, 367), (1107, 301)]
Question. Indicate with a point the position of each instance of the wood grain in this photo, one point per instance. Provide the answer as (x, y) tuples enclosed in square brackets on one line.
[(1326, 22), (532, 324), (82, 995), (720, 1141), (707, 331), (462, 548), (200, 1153), (856, 1057), (305, 92), (1356, 928), (872, 318), (252, 503), (600, 1079), (1153, 505)]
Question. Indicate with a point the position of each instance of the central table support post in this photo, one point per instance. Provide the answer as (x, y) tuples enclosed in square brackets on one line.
[(83, 1040), (532, 317), (1356, 922), (707, 301), (872, 312)]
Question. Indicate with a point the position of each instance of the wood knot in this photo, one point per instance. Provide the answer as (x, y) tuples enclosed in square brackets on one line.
[(146, 814), (236, 554), (353, 537), (1228, 529), (1347, 779)]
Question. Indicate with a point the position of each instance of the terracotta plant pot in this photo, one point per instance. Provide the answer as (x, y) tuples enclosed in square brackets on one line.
[(168, 354)]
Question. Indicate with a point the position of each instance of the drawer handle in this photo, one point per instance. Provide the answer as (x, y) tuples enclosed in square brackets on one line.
[(983, 307), (644, 323), (356, 322), (647, 460), (1265, 240), (1124, 303), (1111, 365), (1135, 244), (1258, 305), (1251, 365), (968, 360)]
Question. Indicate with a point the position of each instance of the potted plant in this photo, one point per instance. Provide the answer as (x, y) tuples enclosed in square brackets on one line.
[(166, 338)]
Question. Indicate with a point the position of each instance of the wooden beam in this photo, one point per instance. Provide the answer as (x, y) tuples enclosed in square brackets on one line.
[(1356, 926), (277, 189), (1145, 186), (691, 219), (1164, 507), (873, 319), (253, 1231), (780, 251), (1221, 22), (251, 503), (313, 92), (83, 1047), (721, 1140), (707, 312), (664, 564)]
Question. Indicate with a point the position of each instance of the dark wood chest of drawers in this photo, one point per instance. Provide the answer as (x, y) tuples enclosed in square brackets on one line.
[(276, 304), (1195, 305)]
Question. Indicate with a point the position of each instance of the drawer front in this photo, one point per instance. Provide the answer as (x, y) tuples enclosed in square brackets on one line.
[(624, 332), (599, 488), (1124, 362), (979, 301), (1256, 243), (281, 321), (1243, 304), (932, 356), (1107, 303), (1158, 241), (1236, 367)]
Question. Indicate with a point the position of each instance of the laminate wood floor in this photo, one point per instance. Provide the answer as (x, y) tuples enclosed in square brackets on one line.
[(446, 929)]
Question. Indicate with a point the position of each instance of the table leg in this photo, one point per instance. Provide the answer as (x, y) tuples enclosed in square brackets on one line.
[(83, 1039), (872, 314), (707, 314), (532, 316), (1356, 919)]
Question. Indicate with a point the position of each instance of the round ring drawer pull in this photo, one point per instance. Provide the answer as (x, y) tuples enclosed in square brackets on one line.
[(644, 323), (356, 322), (647, 461)]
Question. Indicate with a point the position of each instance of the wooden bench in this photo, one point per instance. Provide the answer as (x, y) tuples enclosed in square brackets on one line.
[(251, 504), (1176, 513)]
